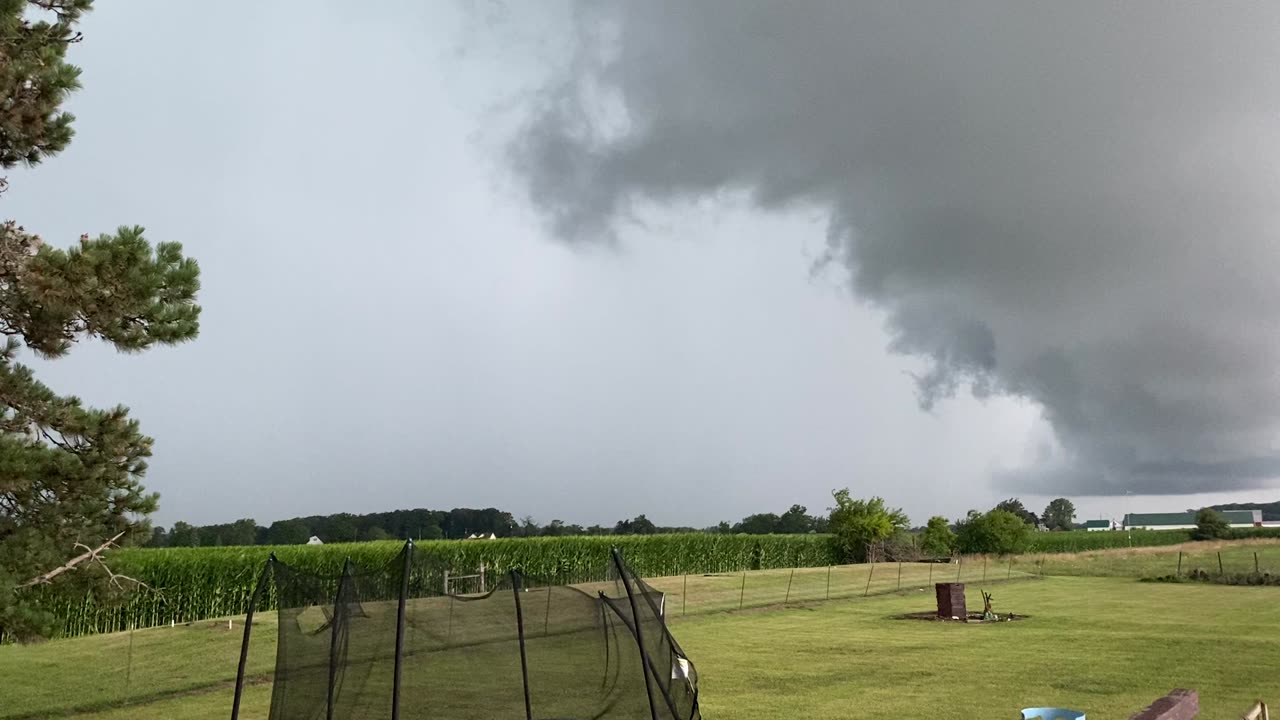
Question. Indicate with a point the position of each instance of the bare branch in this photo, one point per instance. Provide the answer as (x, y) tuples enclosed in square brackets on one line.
[(113, 577), (89, 554)]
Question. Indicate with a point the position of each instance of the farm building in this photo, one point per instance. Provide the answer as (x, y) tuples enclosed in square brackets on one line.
[(1187, 520), (1096, 525)]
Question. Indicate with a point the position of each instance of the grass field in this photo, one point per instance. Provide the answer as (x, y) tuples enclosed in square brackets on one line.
[(1107, 645)]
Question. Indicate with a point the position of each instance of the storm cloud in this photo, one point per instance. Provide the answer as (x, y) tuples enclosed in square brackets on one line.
[(1073, 203)]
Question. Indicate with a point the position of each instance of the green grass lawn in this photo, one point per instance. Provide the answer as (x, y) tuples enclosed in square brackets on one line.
[(1105, 645)]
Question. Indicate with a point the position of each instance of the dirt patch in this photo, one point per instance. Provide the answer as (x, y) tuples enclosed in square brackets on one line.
[(974, 618)]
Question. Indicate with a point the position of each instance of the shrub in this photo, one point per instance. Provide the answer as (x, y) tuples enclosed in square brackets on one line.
[(858, 527), (1211, 525), (998, 532), (937, 540)]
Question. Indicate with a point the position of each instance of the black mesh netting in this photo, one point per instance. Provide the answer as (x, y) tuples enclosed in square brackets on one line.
[(391, 643)]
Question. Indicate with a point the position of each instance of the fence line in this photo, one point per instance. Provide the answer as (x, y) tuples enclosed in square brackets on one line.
[(720, 592)]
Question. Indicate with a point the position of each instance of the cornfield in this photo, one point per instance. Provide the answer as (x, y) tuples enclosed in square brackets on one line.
[(1083, 540), (190, 584)]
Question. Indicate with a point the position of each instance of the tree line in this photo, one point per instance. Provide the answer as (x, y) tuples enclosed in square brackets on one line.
[(417, 524), (426, 524)]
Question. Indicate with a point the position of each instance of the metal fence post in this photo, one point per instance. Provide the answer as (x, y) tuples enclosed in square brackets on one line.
[(899, 574), (742, 593), (401, 604), (1255, 563), (869, 574), (1179, 571), (1220, 563), (789, 579), (684, 596), (829, 581)]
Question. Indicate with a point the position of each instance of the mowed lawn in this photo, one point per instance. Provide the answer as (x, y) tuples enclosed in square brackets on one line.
[(1104, 645)]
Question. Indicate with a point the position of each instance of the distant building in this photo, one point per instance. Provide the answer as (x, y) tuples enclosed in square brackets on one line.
[(315, 541), (1187, 520), (482, 536), (1096, 525)]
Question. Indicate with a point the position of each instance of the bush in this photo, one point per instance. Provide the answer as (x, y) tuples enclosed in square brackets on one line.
[(902, 547), (998, 532), (1211, 525), (860, 527), (937, 540)]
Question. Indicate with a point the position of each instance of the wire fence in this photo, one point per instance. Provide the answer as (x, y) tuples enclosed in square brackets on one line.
[(1248, 562), (719, 592)]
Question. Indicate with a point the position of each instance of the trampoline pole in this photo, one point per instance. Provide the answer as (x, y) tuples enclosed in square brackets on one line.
[(404, 594), (336, 626), (524, 660), (645, 664), (244, 643)]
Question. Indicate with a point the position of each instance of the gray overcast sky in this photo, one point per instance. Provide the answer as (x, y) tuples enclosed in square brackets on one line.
[(562, 264)]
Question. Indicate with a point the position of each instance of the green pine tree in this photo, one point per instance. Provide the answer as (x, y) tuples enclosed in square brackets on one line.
[(70, 475)]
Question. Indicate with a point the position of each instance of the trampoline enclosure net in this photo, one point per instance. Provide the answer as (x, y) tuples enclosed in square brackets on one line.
[(389, 643)]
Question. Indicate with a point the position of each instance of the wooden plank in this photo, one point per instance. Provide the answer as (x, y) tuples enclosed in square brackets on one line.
[(1179, 704)]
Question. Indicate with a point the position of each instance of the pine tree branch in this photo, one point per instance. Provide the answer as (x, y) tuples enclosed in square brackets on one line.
[(88, 554)]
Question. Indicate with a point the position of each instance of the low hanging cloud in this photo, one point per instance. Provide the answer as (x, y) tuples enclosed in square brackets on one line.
[(1075, 203)]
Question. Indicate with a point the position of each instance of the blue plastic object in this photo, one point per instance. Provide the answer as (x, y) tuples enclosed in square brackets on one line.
[(1051, 714)]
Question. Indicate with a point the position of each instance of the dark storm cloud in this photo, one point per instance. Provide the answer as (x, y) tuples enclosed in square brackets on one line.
[(1070, 202)]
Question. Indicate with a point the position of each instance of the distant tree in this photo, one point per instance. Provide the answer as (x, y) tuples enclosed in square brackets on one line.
[(723, 528), (860, 526), (555, 528), (937, 540), (997, 532), (376, 533), (795, 521), (338, 528), (639, 525), (758, 524), (1014, 505), (286, 532), (159, 538), (819, 523), (209, 536), (241, 532), (1059, 514), (431, 532), (183, 535), (1211, 525)]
